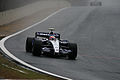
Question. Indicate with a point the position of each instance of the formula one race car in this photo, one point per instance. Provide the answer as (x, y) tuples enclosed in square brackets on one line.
[(50, 44)]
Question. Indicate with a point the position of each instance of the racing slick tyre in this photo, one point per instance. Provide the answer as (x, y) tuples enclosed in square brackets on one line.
[(29, 44), (36, 51), (73, 54)]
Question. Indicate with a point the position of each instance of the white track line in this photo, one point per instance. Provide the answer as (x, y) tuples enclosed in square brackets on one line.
[(2, 46)]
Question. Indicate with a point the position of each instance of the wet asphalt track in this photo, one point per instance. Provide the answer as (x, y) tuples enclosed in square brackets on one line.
[(96, 30)]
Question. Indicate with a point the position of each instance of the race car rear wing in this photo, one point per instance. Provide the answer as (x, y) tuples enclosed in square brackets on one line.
[(46, 34)]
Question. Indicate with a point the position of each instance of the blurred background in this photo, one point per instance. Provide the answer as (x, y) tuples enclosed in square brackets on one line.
[(11, 4)]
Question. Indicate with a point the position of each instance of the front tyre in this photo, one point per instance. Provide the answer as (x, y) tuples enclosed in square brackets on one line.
[(72, 55), (29, 44), (36, 51)]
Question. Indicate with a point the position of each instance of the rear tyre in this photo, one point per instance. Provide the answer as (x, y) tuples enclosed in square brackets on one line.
[(36, 51), (73, 54), (29, 44)]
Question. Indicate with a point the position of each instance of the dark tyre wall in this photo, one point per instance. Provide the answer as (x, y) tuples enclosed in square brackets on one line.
[(11, 4)]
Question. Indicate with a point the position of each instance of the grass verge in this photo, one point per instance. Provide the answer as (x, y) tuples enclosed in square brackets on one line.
[(10, 70)]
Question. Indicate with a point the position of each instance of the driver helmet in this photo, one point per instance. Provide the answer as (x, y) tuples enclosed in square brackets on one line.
[(52, 38)]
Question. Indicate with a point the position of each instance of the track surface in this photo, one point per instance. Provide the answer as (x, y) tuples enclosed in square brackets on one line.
[(96, 31)]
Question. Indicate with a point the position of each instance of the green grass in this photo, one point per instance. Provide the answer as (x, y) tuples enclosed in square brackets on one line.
[(10, 70)]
